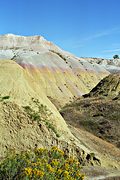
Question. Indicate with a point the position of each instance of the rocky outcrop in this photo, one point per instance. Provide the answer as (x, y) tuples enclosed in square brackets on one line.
[(111, 65)]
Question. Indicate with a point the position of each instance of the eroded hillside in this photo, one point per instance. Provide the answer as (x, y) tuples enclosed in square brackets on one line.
[(27, 117), (36, 74), (111, 65), (60, 75), (108, 87), (99, 111)]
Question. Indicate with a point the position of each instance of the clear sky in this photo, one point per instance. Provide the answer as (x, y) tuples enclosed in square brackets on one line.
[(86, 28)]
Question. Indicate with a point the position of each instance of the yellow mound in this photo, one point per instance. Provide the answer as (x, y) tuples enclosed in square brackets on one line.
[(21, 87)]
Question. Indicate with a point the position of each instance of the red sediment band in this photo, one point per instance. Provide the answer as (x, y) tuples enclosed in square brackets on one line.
[(58, 69), (43, 67)]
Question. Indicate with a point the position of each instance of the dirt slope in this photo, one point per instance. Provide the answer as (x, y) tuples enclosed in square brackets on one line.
[(16, 83), (107, 152), (109, 87), (99, 111)]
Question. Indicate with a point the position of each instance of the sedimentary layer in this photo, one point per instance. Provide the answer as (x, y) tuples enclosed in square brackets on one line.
[(59, 74)]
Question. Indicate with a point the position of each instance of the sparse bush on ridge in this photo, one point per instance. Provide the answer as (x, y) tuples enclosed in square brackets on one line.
[(50, 126), (40, 114), (116, 56), (40, 164)]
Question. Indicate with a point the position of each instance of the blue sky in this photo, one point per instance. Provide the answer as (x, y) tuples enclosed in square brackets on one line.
[(86, 28)]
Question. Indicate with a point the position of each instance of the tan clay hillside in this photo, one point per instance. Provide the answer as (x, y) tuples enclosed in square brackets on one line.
[(60, 75), (19, 85), (27, 118), (23, 125)]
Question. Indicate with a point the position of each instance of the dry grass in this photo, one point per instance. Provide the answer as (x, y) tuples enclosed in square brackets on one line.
[(100, 116)]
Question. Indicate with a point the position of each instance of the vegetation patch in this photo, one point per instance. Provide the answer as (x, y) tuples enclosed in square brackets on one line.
[(40, 164), (98, 115), (2, 98), (50, 126), (40, 113)]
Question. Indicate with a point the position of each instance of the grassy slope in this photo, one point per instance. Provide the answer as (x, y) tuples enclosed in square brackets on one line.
[(99, 112), (108, 87)]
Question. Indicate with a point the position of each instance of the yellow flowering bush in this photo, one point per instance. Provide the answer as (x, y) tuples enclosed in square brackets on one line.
[(41, 164)]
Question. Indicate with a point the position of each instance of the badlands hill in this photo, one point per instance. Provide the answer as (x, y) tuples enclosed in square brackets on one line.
[(60, 75), (36, 74), (27, 117)]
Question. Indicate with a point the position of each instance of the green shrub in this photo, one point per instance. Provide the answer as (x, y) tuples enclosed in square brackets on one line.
[(40, 164), (33, 115), (40, 114), (37, 113), (50, 126), (4, 98), (116, 56)]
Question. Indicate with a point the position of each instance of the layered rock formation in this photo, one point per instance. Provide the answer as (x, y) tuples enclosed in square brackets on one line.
[(21, 88), (60, 75), (111, 65)]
